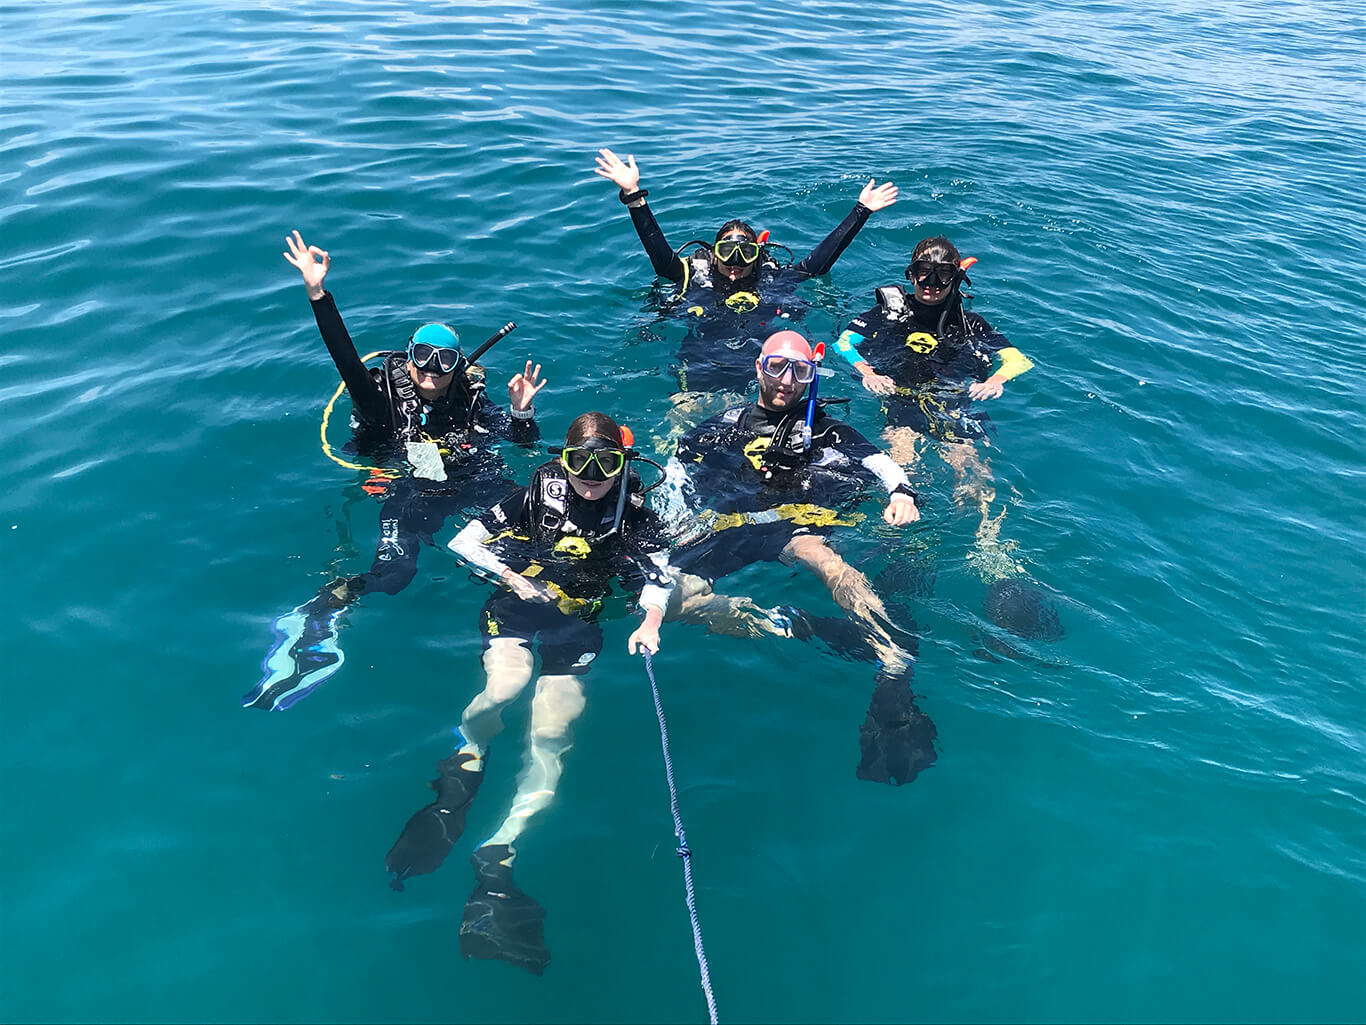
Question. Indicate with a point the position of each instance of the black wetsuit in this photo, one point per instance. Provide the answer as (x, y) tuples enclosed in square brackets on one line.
[(388, 413), (932, 353), (728, 320), (748, 468), (550, 534)]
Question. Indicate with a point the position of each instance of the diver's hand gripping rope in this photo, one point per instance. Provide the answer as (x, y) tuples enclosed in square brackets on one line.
[(683, 851)]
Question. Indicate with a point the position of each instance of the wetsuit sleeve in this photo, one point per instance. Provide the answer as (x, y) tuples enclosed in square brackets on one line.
[(986, 339), (860, 329), (470, 544), (878, 463), (658, 594), (1013, 363), (502, 423), (651, 541), (367, 397), (823, 257), (657, 247)]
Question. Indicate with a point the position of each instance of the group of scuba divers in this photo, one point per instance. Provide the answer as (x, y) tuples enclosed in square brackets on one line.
[(765, 480)]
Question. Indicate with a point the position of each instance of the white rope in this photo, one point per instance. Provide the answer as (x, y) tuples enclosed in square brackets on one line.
[(683, 851)]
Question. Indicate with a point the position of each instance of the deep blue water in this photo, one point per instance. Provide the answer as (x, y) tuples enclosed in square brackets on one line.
[(1160, 817)]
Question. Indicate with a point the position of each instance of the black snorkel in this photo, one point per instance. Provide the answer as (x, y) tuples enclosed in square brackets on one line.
[(474, 387), (492, 340), (630, 455), (953, 302)]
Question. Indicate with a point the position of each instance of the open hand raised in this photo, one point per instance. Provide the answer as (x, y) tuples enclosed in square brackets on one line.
[(523, 387), (302, 256), (875, 197), (626, 176)]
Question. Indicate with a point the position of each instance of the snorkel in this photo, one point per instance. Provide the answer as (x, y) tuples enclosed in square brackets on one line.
[(493, 340), (583, 462), (817, 354), (628, 441)]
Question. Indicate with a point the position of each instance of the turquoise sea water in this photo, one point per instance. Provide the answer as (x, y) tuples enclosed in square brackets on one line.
[(1160, 817)]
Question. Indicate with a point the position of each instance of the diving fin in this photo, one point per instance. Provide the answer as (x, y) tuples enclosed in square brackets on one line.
[(908, 577), (1024, 608), (432, 831), (304, 655), (896, 739), (500, 921)]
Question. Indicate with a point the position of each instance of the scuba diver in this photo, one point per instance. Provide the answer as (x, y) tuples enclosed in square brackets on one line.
[(425, 406), (929, 359), (557, 547), (735, 287), (771, 481)]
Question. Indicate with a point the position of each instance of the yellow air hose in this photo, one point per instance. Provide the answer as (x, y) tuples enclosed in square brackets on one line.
[(376, 471)]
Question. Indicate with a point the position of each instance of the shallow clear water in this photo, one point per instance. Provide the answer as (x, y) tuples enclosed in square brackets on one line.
[(1160, 817)]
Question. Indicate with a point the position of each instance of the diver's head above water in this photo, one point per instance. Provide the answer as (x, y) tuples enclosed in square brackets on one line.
[(736, 252), (594, 455), (935, 270), (785, 367), (433, 359)]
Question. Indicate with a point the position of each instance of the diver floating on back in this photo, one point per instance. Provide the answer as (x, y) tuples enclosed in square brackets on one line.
[(772, 481), (929, 359), (424, 420), (574, 547)]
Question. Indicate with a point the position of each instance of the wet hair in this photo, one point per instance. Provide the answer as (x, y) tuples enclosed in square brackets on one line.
[(731, 226), (937, 249), (593, 425)]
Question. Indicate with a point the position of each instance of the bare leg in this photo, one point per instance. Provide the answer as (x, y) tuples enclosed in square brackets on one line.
[(433, 830), (852, 592), (687, 409), (694, 601), (559, 701), (992, 558), (973, 481), (507, 670), (902, 445), (500, 920)]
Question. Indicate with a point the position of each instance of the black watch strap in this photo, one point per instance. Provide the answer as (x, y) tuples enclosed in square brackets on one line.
[(631, 197), (908, 491)]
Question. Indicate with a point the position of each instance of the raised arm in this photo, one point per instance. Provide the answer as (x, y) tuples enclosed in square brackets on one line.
[(873, 197), (626, 176), (518, 422), (313, 264)]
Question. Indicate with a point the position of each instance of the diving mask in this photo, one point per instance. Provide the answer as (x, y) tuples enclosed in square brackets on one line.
[(595, 460), (734, 251), (922, 271), (775, 366)]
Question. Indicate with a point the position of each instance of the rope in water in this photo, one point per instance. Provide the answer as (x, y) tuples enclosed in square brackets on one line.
[(683, 851)]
